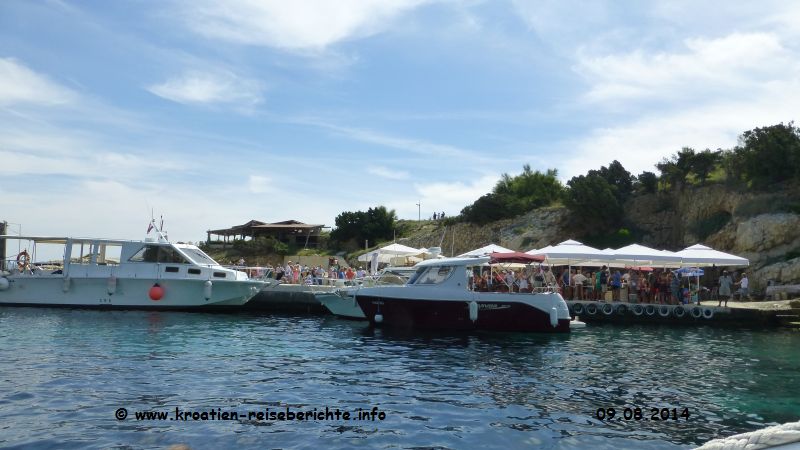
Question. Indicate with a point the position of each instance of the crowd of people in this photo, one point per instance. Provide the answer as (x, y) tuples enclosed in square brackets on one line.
[(296, 273), (644, 285)]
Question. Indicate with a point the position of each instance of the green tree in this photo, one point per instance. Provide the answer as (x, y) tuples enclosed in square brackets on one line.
[(373, 225), (768, 155), (647, 182), (515, 195), (616, 175), (675, 169), (593, 200), (487, 208), (703, 163)]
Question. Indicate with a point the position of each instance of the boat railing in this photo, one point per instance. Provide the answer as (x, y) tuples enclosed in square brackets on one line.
[(511, 290)]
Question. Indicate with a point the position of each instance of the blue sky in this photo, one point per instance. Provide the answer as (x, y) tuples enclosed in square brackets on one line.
[(213, 113)]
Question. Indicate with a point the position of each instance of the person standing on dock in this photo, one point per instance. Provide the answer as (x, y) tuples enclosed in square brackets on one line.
[(744, 284), (725, 283), (675, 288), (549, 277), (602, 283), (616, 285)]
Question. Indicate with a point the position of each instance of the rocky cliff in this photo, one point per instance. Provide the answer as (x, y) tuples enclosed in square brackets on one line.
[(761, 226)]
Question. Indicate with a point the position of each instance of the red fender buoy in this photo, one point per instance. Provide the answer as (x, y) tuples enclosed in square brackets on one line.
[(156, 292)]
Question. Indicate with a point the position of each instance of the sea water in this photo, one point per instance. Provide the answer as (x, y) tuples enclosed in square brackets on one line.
[(73, 378)]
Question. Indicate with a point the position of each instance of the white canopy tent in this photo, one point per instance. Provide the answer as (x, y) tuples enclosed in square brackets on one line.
[(385, 254), (639, 255), (486, 250), (699, 255), (570, 252)]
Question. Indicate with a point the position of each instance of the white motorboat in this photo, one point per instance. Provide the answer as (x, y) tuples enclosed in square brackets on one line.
[(342, 301), (440, 296), (153, 273)]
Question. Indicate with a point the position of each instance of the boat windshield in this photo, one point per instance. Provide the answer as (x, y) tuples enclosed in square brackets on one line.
[(198, 256), (432, 275), (158, 253)]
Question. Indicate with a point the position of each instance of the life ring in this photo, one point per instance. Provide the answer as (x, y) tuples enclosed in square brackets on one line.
[(679, 311), (637, 310), (697, 312), (577, 309), (23, 260), (708, 313), (607, 309), (650, 310), (663, 311), (591, 309)]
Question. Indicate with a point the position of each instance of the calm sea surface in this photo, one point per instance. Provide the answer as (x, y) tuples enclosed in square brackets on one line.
[(65, 374)]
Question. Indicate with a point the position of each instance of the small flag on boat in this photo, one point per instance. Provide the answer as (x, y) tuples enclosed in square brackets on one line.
[(150, 227)]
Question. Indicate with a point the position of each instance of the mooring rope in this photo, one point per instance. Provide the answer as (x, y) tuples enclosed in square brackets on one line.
[(765, 438)]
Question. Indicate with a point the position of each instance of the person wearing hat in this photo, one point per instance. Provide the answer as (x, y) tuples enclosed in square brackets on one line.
[(725, 283)]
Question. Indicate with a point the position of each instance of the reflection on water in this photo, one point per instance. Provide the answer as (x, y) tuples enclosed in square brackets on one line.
[(65, 372)]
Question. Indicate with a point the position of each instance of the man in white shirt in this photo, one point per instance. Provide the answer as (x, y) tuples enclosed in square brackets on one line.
[(744, 284), (579, 279)]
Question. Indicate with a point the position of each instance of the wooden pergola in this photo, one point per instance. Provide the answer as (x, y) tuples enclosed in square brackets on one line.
[(288, 231)]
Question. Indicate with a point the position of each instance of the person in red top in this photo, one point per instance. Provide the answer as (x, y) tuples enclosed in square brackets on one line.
[(349, 274)]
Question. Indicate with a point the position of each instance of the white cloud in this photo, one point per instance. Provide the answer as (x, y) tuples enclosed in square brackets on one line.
[(258, 184), (196, 87), (706, 66), (640, 143), (411, 145), (452, 197), (708, 92), (21, 85), (385, 172), (298, 25)]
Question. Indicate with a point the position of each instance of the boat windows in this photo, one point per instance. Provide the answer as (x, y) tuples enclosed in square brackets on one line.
[(172, 269), (198, 256), (434, 275), (170, 255), (108, 254), (194, 271), (158, 253)]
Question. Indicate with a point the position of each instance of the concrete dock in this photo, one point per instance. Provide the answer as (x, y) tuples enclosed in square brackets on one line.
[(757, 314)]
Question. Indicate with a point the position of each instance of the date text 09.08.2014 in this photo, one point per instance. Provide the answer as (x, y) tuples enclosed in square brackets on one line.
[(642, 414)]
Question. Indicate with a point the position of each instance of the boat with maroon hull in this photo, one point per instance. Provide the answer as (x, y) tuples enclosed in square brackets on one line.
[(440, 297)]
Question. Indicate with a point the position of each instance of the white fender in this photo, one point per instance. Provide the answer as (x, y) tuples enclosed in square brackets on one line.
[(207, 287), (4, 284), (67, 282), (473, 311), (554, 317), (378, 318), (111, 285)]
